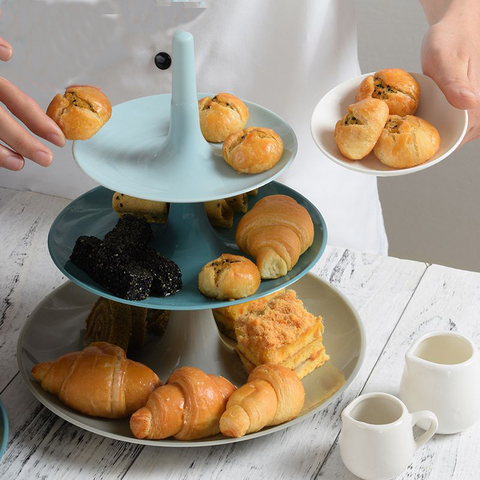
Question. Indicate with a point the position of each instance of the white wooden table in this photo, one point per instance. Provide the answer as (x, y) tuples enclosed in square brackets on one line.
[(397, 299)]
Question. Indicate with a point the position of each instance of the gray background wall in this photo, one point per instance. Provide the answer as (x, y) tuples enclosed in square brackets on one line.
[(433, 215)]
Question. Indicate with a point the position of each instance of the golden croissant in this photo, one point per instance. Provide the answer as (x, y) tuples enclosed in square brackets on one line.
[(98, 381), (273, 395), (276, 231), (188, 407)]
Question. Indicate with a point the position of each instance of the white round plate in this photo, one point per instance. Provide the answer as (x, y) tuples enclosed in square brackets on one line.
[(450, 122), (57, 325)]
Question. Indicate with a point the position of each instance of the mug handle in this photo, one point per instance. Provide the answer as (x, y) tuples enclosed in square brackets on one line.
[(425, 415)]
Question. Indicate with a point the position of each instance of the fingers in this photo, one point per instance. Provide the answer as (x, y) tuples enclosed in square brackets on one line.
[(459, 93), (454, 83), (473, 132), (15, 136), (6, 50), (10, 160), (30, 113), (451, 71)]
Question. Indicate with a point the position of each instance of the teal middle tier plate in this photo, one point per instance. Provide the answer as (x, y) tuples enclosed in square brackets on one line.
[(187, 239), (3, 429)]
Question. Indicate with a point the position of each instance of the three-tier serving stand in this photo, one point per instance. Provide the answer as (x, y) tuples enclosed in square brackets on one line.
[(153, 148)]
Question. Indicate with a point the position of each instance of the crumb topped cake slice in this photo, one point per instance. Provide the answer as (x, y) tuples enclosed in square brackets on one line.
[(227, 316), (282, 332)]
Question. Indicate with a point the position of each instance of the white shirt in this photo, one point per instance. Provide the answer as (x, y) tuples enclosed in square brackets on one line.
[(282, 54)]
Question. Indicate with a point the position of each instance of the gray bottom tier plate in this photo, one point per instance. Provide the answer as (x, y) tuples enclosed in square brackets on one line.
[(57, 326)]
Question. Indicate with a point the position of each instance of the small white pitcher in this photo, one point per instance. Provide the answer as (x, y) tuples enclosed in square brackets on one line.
[(442, 374), (376, 441)]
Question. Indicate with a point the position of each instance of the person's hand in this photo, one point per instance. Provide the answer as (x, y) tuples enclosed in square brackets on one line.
[(451, 56), (19, 143)]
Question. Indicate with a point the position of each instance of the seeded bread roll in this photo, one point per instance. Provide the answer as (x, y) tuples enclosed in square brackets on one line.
[(81, 112), (239, 203), (219, 213), (395, 86), (253, 150), (407, 142), (152, 211), (229, 277), (358, 131), (221, 116)]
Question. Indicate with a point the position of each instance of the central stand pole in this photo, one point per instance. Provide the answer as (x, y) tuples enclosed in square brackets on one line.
[(192, 339)]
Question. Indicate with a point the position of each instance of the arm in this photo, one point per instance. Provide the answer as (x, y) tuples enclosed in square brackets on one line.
[(15, 135), (451, 54)]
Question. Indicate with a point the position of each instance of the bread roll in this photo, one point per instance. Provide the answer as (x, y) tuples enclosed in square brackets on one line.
[(219, 213), (81, 112), (229, 277), (407, 142), (276, 231), (395, 86), (98, 381), (221, 116), (358, 131), (272, 395), (253, 150), (151, 210), (239, 203), (188, 407)]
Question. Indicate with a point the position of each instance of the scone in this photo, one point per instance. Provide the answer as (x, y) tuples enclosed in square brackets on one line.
[(395, 86), (229, 277), (221, 116), (81, 112), (406, 142), (253, 150), (358, 131)]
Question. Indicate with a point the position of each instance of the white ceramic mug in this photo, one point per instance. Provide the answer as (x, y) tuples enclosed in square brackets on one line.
[(442, 374), (376, 441)]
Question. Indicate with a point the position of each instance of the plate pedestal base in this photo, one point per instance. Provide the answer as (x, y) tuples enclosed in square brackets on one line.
[(192, 339)]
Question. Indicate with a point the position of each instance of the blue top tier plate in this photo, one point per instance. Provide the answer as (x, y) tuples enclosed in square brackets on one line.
[(187, 239), (153, 148)]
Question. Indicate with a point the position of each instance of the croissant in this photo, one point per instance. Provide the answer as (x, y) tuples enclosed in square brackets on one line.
[(276, 231), (188, 407), (98, 381), (273, 395)]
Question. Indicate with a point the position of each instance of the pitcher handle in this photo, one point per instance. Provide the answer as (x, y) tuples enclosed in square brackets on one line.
[(425, 415)]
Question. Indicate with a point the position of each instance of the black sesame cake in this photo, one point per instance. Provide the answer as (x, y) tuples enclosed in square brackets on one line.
[(124, 264)]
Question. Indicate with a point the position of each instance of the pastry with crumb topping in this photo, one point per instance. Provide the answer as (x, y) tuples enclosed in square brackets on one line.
[(253, 150), (229, 277), (396, 87), (358, 131), (221, 116), (281, 332), (227, 316), (407, 142)]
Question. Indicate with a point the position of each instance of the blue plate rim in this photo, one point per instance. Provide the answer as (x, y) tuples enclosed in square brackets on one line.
[(4, 437), (201, 443), (213, 303), (273, 176)]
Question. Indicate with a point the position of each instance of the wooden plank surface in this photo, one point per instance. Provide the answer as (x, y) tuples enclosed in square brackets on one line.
[(397, 300), (446, 299)]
